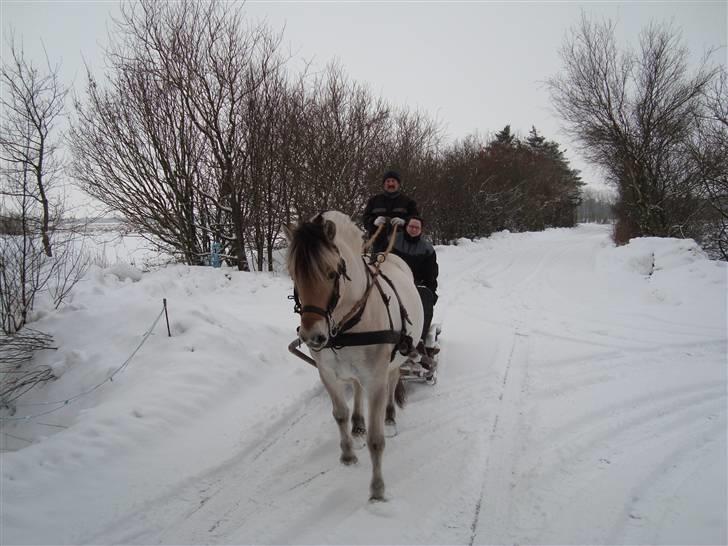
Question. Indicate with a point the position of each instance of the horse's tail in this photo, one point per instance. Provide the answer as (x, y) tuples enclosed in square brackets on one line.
[(400, 393)]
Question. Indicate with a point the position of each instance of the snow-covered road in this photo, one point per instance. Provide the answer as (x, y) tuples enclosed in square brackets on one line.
[(581, 399)]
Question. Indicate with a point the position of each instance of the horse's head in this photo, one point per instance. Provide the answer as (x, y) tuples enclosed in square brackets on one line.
[(315, 266)]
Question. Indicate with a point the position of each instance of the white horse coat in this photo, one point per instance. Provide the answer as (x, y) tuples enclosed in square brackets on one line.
[(325, 255)]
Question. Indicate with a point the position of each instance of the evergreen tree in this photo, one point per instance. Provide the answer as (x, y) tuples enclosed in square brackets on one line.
[(504, 137)]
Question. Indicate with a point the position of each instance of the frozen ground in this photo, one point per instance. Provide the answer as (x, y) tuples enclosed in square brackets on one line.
[(581, 400)]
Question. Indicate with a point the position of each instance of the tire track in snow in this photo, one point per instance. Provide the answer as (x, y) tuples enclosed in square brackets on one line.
[(636, 411), (492, 511), (597, 456), (664, 415)]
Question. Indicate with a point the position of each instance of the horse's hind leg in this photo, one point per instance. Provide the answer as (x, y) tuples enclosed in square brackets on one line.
[(375, 437), (358, 425), (390, 423), (341, 416)]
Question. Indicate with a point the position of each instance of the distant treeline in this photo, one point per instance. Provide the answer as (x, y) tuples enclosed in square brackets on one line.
[(596, 207)]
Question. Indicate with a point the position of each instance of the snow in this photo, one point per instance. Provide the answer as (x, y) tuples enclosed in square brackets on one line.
[(581, 399)]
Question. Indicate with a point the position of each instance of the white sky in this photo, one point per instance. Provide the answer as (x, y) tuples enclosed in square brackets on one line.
[(475, 66)]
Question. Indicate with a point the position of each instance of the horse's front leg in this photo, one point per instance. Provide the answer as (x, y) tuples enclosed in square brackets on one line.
[(358, 425), (390, 423), (341, 415), (375, 436)]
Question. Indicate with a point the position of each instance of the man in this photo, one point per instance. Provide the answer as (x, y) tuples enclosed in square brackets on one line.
[(391, 207), (420, 256)]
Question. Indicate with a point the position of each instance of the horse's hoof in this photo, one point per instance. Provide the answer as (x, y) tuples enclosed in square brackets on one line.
[(376, 491), (390, 429), (358, 442), (349, 460)]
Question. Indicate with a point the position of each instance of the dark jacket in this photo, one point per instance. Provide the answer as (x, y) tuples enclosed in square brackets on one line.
[(420, 257), (391, 206)]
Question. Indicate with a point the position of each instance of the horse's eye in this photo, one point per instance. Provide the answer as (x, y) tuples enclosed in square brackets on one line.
[(332, 275)]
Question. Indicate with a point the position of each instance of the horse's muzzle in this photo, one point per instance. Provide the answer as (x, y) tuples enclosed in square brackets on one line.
[(315, 342)]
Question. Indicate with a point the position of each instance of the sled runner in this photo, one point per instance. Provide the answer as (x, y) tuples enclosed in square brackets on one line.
[(424, 368)]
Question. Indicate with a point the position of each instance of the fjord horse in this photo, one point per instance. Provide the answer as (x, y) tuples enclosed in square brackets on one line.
[(360, 325)]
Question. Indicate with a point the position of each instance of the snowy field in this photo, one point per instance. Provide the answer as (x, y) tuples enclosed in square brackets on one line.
[(581, 400)]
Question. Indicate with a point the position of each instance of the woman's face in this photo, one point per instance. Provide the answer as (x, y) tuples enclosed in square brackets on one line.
[(414, 227)]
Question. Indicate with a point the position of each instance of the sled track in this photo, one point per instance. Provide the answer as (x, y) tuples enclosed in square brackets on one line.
[(492, 516)]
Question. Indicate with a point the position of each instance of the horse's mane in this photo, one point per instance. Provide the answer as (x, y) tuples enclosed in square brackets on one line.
[(311, 256)]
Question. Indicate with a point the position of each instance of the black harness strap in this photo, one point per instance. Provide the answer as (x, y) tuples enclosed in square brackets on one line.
[(357, 339), (386, 300), (402, 310), (404, 345), (313, 309), (353, 321)]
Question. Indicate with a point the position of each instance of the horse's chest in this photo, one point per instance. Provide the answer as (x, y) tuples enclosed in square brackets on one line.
[(352, 367)]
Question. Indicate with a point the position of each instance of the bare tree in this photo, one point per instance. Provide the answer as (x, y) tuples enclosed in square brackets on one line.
[(274, 116), (207, 53), (136, 150), (709, 149), (411, 139), (39, 255), (344, 126), (174, 129), (632, 113), (452, 198), (32, 103)]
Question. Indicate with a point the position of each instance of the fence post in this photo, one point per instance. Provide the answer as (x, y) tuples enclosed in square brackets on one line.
[(166, 316)]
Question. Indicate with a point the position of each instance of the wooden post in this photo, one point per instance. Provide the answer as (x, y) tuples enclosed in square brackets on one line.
[(166, 316)]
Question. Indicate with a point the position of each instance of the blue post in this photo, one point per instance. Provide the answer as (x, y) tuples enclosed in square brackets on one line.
[(215, 255)]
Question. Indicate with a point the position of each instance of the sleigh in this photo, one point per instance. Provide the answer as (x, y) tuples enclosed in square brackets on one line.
[(423, 367)]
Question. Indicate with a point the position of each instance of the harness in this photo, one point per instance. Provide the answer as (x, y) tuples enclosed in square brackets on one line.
[(339, 335)]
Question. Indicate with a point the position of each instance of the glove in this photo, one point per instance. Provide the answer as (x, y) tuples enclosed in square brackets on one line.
[(397, 221), (380, 220)]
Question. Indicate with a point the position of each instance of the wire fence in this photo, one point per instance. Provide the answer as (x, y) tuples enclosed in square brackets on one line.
[(63, 403)]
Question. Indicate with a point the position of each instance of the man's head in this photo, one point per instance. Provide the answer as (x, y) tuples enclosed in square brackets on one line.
[(414, 226), (391, 182)]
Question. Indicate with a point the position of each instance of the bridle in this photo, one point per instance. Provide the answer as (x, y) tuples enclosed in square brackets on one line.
[(333, 300)]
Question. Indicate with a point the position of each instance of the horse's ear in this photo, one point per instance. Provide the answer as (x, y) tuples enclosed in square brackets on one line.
[(330, 230), (287, 231)]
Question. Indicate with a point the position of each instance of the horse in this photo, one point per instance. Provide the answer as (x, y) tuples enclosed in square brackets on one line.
[(360, 322)]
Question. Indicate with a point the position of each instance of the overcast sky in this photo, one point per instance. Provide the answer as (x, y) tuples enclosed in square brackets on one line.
[(474, 66)]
